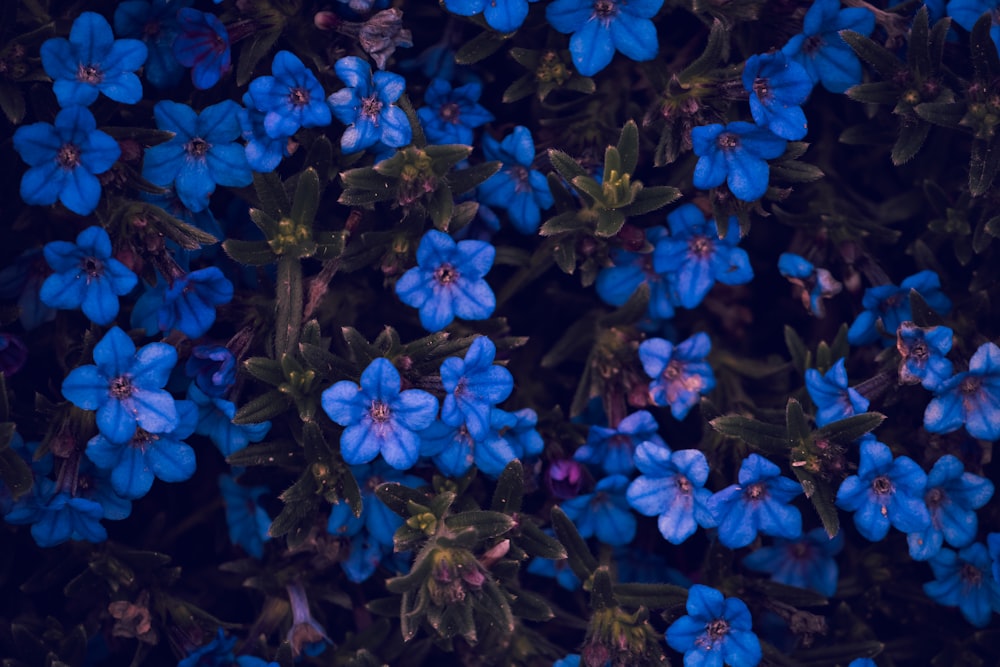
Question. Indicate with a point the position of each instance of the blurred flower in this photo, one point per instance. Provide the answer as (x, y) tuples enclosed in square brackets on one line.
[(382, 33), (86, 276), (602, 27), (890, 305), (92, 61), (264, 153), (777, 87), (13, 354), (125, 387), (680, 373), (213, 368), (215, 420), (156, 24), (694, 256), (203, 45), (971, 398), (885, 490), (833, 398), (248, 522), (612, 448), (564, 478), (671, 487), (617, 283), (448, 281), (367, 106), (21, 280), (815, 284), (55, 516), (451, 114), (952, 497), (501, 15), (189, 303), (736, 153), (759, 503), (922, 350), (379, 417), (964, 580), (716, 630), (474, 386), (806, 562), (65, 160), (291, 98), (306, 636), (517, 188), (604, 513), (820, 49)]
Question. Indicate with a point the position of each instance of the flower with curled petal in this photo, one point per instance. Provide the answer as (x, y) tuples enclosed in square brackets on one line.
[(367, 105), (475, 385), (672, 487), (680, 373), (971, 398), (202, 45)]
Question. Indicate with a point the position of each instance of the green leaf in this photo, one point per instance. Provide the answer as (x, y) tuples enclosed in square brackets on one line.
[(12, 102), (564, 254), (479, 47), (918, 53), (14, 472), (520, 89), (602, 594), (531, 606), (298, 515), (797, 424), (251, 253), (329, 244), (289, 304), (794, 171), (876, 92), (566, 166), (651, 199), (822, 496), (983, 165), (945, 114), (628, 147), (306, 200), (464, 180), (609, 223), (797, 349), (486, 523), (272, 195), (537, 543), (716, 51), (398, 497), (772, 439), (569, 221), (578, 555), (651, 596), (440, 207), (588, 186), (264, 407), (847, 430), (509, 493), (267, 453), (912, 134), (879, 57), (266, 370), (255, 49), (985, 59)]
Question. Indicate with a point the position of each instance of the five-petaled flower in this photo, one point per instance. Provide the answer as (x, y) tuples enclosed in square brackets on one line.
[(604, 513), (680, 373), (806, 562), (672, 487), (91, 62), (821, 50), (964, 580), (125, 387), (777, 87), (86, 276), (735, 154), (922, 351), (448, 281), (367, 106), (518, 188), (452, 113), (379, 417), (971, 398), (291, 98), (890, 306), (475, 385), (716, 630), (65, 159), (601, 27), (833, 398), (202, 45)]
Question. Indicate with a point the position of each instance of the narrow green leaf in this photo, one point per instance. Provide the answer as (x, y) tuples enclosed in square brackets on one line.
[(797, 424), (520, 89), (265, 369), (569, 221), (769, 438), (509, 493), (879, 57), (479, 47), (531, 606), (537, 543), (288, 305), (306, 200), (651, 596), (251, 253), (464, 180), (588, 186), (628, 147), (945, 114), (794, 171), (985, 60), (849, 429), (580, 560), (983, 166), (272, 195), (918, 53), (912, 134), (261, 409), (398, 497), (564, 254), (876, 92), (12, 102), (612, 163), (609, 223), (486, 523), (14, 472), (602, 594), (797, 349), (565, 165), (939, 36), (651, 199), (255, 49), (822, 496), (716, 51), (267, 453)]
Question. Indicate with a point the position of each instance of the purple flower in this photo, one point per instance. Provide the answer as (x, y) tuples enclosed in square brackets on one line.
[(248, 522), (189, 303), (616, 284), (820, 49), (215, 420), (736, 154), (56, 516), (971, 398), (92, 61), (680, 373), (922, 350), (501, 15), (213, 368), (807, 562), (671, 487), (86, 276), (777, 87), (379, 417), (155, 23), (759, 503), (833, 398), (125, 387), (203, 45)]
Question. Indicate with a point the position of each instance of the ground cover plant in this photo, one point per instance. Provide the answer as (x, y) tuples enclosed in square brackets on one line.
[(507, 332)]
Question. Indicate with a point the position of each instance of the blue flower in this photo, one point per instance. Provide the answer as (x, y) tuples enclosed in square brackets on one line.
[(602, 27), (716, 630), (264, 153), (807, 562), (448, 281), (455, 450), (213, 368), (971, 398), (248, 522), (215, 420), (155, 23), (833, 398), (501, 15), (759, 503), (475, 386), (820, 49), (680, 373), (612, 448), (517, 188), (777, 87), (306, 636), (816, 284), (290, 99), (125, 387), (885, 491), (92, 61), (922, 351), (952, 497), (993, 541), (203, 45), (189, 303), (891, 305), (967, 12), (56, 516), (964, 580), (694, 256), (604, 513), (737, 154), (379, 417), (86, 276), (367, 106), (65, 160), (135, 462), (671, 487), (616, 284), (219, 653), (451, 114), (202, 153)]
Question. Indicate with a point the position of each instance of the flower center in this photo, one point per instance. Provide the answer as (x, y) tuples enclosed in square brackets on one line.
[(449, 112), (380, 411), (197, 147), (970, 385), (934, 498), (151, 29), (68, 156), (683, 484), (799, 550), (919, 351), (971, 574), (673, 370), (89, 74), (756, 491), (121, 387), (812, 44), (605, 9), (520, 176), (700, 246), (762, 89), (371, 107), (445, 274), (717, 629), (298, 97), (882, 485), (93, 267), (727, 141)]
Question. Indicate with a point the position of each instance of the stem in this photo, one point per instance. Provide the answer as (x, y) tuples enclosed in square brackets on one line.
[(288, 306)]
